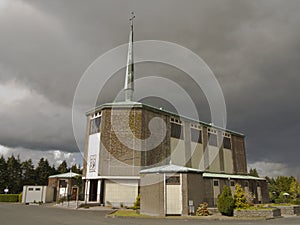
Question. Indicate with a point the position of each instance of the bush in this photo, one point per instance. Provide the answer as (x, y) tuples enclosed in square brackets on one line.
[(20, 197), (137, 202), (225, 202), (9, 198), (202, 210), (240, 200)]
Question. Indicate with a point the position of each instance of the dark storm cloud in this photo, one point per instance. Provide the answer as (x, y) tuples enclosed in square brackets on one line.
[(252, 47)]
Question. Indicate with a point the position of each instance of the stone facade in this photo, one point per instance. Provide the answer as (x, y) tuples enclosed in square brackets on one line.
[(267, 213), (289, 210)]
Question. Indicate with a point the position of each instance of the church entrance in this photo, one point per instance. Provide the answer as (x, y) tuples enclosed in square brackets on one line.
[(93, 190)]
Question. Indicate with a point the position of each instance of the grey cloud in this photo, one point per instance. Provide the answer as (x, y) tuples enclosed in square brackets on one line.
[(252, 47)]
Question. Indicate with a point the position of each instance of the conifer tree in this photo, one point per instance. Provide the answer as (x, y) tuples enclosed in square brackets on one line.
[(3, 174), (225, 202), (240, 200)]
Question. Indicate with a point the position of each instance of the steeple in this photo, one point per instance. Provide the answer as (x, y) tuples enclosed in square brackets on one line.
[(129, 79)]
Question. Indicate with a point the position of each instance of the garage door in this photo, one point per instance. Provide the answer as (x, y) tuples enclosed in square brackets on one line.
[(120, 191)]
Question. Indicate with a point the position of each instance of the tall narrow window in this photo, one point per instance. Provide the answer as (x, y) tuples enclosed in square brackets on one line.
[(176, 131), (227, 142), (212, 139), (95, 125), (196, 135)]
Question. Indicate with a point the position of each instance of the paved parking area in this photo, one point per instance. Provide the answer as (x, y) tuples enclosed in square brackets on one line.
[(17, 214)]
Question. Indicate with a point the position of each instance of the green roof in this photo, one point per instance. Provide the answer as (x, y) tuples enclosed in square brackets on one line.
[(231, 176), (65, 175)]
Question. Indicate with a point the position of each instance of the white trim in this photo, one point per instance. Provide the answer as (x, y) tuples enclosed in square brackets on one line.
[(165, 202), (113, 177), (230, 176)]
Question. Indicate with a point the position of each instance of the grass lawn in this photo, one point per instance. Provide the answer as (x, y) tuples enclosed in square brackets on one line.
[(129, 213)]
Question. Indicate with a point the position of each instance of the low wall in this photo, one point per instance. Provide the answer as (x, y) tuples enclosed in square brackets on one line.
[(289, 210), (257, 213)]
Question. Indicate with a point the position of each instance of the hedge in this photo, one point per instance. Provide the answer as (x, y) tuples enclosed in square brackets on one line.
[(9, 197)]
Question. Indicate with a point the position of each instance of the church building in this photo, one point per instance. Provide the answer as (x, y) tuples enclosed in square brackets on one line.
[(177, 165)]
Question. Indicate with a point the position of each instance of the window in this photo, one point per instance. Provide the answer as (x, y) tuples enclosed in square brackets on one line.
[(232, 183), (30, 189), (173, 180), (37, 189), (227, 142), (95, 125), (196, 135), (176, 131), (216, 183), (212, 139)]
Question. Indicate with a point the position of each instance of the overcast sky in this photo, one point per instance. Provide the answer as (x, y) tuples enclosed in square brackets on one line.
[(252, 46)]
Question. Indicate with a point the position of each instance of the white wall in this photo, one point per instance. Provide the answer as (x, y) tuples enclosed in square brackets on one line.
[(121, 191), (37, 194), (93, 155)]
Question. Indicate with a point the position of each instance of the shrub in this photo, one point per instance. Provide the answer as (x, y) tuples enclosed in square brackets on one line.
[(137, 202), (240, 200), (225, 202), (20, 197), (202, 210), (9, 197), (249, 198), (61, 200)]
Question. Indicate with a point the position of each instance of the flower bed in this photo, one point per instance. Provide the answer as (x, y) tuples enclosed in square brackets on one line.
[(259, 212)]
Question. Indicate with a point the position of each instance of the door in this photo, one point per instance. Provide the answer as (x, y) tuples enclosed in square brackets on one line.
[(173, 196), (93, 190), (74, 193)]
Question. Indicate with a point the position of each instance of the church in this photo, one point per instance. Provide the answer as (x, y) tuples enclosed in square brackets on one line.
[(173, 162)]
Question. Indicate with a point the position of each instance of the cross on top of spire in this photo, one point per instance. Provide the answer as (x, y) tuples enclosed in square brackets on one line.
[(132, 17)]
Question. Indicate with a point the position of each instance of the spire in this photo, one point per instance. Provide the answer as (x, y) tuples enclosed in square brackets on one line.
[(129, 79)]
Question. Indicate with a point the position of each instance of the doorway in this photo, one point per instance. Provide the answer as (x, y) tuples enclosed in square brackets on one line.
[(74, 193), (93, 190), (173, 195)]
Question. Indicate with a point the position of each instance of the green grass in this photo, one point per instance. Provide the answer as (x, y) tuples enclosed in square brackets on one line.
[(129, 213), (281, 204)]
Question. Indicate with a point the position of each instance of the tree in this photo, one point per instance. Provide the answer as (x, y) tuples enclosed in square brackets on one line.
[(43, 171), (3, 174), (253, 172), (63, 167), (240, 200), (294, 190), (76, 169), (28, 173), (225, 202), (14, 173)]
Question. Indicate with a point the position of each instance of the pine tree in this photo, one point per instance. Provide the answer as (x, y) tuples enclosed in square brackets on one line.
[(253, 172), (240, 200), (76, 169), (63, 167), (28, 173), (225, 202), (14, 172), (43, 171), (3, 174)]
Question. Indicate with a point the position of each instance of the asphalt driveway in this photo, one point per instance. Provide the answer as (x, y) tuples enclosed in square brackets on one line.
[(17, 214)]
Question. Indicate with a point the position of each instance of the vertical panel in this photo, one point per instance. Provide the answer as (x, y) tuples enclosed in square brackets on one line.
[(93, 155), (174, 199)]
